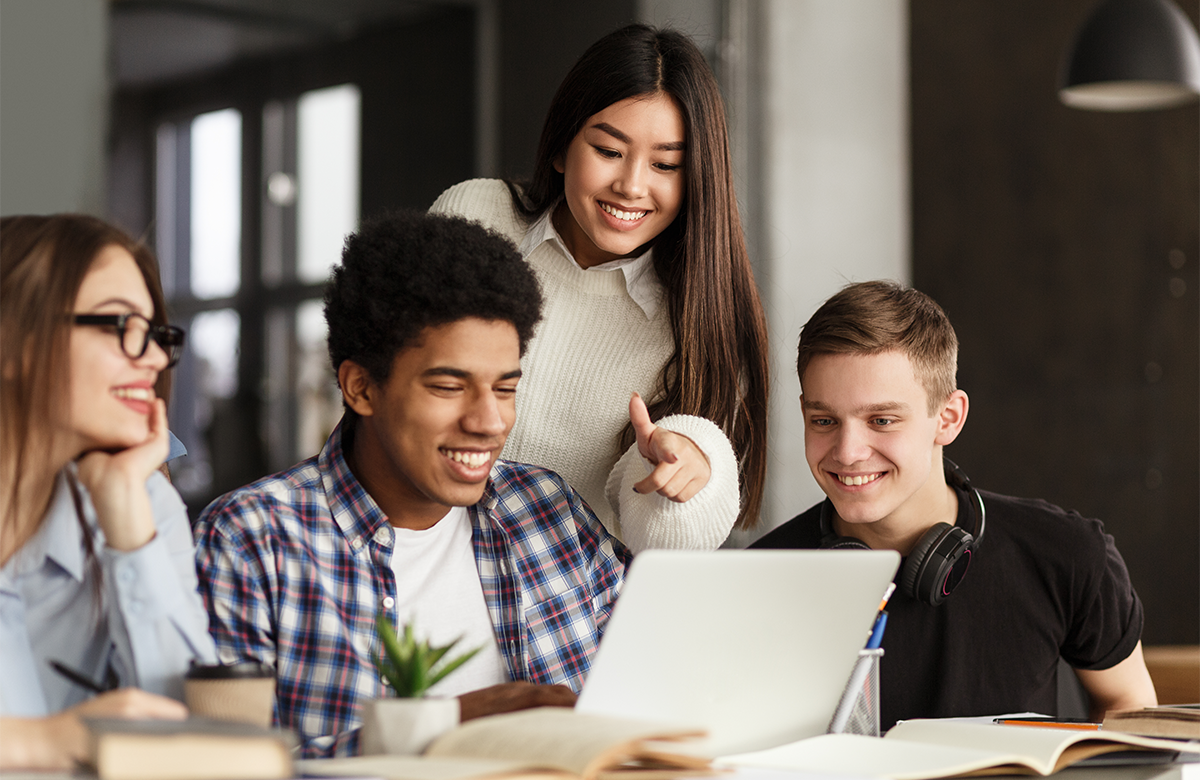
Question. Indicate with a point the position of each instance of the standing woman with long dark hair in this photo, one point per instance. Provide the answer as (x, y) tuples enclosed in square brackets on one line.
[(646, 384), (97, 569)]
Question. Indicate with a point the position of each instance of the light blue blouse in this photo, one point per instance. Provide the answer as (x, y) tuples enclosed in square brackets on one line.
[(137, 613)]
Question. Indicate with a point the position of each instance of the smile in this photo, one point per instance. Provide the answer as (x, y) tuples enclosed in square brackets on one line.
[(627, 216), (134, 393), (858, 480), (469, 458)]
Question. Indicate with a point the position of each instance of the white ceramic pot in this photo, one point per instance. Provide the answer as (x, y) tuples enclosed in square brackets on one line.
[(405, 726)]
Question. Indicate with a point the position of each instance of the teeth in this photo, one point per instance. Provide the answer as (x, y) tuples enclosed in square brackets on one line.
[(469, 459), (628, 216), (858, 480), (135, 393)]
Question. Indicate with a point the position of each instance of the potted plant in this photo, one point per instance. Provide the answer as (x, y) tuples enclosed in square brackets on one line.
[(409, 667)]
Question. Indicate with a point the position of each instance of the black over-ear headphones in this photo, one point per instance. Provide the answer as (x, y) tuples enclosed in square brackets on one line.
[(940, 558)]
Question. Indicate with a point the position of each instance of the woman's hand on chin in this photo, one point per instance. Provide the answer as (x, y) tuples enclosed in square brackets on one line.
[(681, 469), (117, 484)]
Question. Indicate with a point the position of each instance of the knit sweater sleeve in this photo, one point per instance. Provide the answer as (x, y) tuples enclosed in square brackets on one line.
[(650, 521)]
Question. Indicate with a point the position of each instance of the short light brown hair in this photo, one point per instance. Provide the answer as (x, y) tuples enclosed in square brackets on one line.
[(870, 318)]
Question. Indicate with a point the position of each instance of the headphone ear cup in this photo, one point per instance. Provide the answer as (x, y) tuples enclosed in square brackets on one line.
[(928, 568)]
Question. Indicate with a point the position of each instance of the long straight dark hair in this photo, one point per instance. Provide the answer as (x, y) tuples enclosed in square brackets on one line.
[(719, 369)]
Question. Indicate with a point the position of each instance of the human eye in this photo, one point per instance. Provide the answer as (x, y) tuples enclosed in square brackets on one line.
[(668, 167), (883, 422), (444, 388), (506, 391), (821, 422), (606, 153)]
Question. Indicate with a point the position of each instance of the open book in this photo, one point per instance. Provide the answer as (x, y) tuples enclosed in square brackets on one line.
[(544, 742), (925, 749)]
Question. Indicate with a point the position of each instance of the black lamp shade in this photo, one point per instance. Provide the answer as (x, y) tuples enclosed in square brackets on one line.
[(1132, 55)]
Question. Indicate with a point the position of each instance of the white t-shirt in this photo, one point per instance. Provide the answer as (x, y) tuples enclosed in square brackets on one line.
[(438, 591)]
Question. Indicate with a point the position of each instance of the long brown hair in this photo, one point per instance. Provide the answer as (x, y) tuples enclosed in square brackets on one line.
[(43, 261), (719, 369)]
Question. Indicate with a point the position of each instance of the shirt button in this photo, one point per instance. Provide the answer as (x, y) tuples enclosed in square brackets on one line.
[(126, 575), (388, 602)]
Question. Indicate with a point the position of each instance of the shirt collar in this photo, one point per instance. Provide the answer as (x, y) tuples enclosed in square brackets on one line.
[(353, 509), (640, 280)]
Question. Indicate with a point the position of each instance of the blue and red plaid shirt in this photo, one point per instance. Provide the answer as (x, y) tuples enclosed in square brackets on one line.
[(295, 567)]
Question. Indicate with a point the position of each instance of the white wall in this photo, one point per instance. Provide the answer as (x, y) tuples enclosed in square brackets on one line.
[(53, 105), (835, 187)]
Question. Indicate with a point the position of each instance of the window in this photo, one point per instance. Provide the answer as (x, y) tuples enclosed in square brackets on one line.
[(255, 383)]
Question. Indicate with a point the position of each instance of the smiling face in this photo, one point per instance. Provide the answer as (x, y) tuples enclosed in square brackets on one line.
[(427, 437), (111, 395), (623, 178), (872, 444)]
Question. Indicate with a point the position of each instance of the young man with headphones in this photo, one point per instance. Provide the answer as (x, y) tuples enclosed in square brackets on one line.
[(877, 365)]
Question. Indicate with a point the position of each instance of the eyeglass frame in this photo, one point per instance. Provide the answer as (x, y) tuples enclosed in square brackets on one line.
[(169, 338)]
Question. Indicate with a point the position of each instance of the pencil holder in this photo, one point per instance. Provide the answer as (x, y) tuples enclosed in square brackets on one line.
[(858, 710)]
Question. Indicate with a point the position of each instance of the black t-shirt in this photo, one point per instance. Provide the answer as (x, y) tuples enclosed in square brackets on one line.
[(1044, 582)]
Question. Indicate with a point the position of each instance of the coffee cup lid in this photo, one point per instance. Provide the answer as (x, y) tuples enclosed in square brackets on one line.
[(244, 669)]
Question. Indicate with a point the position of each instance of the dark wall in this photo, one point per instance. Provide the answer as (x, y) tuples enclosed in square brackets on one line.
[(1064, 246), (539, 42)]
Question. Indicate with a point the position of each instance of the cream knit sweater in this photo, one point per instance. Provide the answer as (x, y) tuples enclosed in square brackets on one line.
[(594, 347)]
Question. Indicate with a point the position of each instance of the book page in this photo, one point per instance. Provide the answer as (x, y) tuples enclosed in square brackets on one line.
[(1041, 748), (558, 738), (850, 754)]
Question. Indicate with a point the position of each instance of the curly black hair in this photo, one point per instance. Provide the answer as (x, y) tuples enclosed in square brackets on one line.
[(411, 270)]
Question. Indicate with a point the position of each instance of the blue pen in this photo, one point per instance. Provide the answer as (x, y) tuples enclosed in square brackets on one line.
[(877, 631)]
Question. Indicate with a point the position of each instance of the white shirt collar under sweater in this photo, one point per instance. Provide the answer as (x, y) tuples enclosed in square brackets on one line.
[(640, 280)]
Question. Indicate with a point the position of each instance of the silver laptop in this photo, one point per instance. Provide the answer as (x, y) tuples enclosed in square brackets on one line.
[(753, 645)]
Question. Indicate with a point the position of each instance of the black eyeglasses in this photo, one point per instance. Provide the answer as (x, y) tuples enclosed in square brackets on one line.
[(135, 332)]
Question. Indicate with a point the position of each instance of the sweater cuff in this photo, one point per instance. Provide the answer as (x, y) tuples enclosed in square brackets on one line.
[(652, 521)]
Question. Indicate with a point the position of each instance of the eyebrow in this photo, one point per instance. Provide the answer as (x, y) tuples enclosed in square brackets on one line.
[(121, 301), (133, 307), (889, 406), (673, 146), (459, 373)]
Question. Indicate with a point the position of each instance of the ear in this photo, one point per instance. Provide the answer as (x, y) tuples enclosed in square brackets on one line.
[(559, 165), (359, 391), (952, 418)]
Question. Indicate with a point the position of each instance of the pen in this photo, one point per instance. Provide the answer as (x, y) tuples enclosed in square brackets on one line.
[(1078, 725), (876, 638), (79, 678), (887, 594)]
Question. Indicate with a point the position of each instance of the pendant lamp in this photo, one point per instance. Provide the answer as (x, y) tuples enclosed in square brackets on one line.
[(1132, 55)]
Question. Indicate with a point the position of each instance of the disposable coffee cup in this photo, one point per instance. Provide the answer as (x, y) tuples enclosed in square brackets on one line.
[(242, 692)]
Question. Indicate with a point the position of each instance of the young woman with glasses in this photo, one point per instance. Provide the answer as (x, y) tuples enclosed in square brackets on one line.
[(646, 384), (99, 614)]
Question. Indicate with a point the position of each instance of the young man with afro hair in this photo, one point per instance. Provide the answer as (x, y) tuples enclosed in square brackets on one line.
[(407, 510)]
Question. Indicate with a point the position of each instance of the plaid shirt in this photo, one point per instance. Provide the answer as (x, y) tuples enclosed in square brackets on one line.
[(295, 567)]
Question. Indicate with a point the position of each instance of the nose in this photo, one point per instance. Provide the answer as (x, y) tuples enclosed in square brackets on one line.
[(631, 182), (154, 357), (485, 416), (851, 445)]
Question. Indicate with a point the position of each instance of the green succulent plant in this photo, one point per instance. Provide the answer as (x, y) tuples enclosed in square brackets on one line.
[(408, 667)]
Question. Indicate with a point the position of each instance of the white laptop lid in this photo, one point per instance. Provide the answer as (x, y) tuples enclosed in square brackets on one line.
[(754, 645)]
